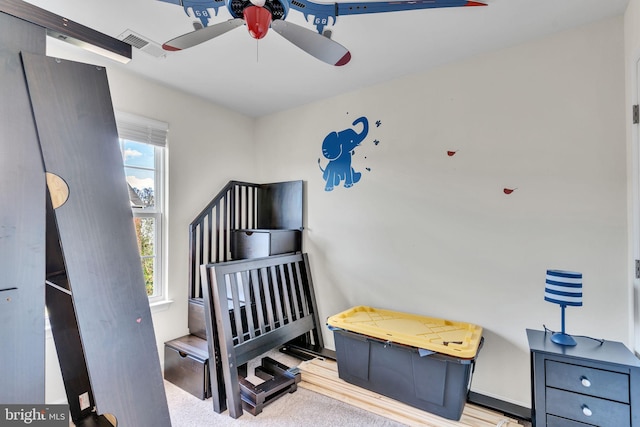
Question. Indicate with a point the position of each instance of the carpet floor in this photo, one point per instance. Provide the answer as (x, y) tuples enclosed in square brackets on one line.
[(311, 405), (301, 408)]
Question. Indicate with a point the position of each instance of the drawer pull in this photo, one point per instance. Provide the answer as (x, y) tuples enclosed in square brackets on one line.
[(585, 381), (586, 410)]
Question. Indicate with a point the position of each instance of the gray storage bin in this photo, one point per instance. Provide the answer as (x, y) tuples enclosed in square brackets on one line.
[(436, 383)]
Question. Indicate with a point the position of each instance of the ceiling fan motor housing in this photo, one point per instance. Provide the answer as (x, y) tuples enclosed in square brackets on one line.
[(258, 20)]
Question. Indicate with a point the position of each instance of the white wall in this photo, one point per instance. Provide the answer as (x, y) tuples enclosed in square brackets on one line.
[(428, 233), (208, 146)]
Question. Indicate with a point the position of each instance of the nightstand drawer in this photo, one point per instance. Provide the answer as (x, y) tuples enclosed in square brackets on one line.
[(594, 382), (553, 421), (587, 409)]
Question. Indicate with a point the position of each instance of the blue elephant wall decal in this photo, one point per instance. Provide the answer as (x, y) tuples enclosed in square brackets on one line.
[(338, 148)]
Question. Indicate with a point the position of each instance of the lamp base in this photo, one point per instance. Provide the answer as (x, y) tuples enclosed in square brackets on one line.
[(563, 339)]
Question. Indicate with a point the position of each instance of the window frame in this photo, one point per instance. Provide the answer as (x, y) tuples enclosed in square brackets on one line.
[(143, 130)]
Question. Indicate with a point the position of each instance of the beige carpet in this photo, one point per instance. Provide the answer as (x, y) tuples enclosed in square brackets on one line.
[(301, 408)]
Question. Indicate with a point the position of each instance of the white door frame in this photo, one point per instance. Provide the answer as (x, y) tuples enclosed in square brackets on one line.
[(634, 210)]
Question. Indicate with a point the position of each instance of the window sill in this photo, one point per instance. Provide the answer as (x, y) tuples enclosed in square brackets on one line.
[(159, 306)]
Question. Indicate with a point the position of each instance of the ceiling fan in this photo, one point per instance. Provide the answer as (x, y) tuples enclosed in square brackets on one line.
[(260, 15)]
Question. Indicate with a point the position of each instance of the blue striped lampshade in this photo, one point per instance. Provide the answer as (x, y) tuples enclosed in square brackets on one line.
[(563, 288)]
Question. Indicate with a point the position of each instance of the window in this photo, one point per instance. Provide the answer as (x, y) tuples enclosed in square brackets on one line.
[(143, 145)]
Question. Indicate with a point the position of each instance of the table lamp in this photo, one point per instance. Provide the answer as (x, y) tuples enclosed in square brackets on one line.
[(563, 288)]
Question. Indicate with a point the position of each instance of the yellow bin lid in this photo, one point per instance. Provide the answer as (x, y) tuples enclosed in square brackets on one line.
[(456, 339)]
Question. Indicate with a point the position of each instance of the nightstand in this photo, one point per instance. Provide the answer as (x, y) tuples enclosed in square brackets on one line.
[(590, 384)]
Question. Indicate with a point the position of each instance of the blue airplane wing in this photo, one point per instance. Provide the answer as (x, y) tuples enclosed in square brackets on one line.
[(199, 8), (326, 14)]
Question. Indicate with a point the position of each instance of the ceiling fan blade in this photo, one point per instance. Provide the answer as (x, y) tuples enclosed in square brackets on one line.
[(315, 44), (200, 36)]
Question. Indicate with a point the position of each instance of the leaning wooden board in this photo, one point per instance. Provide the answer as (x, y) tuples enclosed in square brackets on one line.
[(76, 127), (22, 223), (321, 376)]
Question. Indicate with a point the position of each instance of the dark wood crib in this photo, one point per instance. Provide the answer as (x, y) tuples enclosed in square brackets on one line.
[(253, 306)]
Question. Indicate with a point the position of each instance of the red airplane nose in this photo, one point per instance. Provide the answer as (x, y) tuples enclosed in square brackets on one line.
[(258, 20)]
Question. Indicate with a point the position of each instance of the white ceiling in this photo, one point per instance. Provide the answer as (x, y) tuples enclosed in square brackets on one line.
[(261, 77)]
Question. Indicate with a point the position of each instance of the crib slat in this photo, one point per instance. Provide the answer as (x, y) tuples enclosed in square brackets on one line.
[(216, 245), (276, 296), (294, 293), (304, 302), (285, 292), (235, 300), (258, 299), (268, 302), (248, 304)]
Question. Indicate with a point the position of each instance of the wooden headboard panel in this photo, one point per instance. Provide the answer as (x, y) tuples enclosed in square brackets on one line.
[(251, 307)]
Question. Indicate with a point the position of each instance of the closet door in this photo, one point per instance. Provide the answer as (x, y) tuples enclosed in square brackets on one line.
[(22, 223)]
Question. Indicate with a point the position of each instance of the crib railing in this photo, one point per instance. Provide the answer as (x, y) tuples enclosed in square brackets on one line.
[(234, 207)]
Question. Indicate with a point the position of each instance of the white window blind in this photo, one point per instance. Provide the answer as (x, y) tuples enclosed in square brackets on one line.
[(141, 129)]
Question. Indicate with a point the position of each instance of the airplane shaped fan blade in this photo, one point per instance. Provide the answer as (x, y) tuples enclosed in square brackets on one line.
[(315, 44), (194, 38)]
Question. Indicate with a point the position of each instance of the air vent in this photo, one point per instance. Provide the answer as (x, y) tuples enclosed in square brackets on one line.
[(135, 41), (143, 44)]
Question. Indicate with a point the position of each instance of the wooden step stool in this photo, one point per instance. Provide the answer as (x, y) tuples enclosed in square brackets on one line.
[(278, 380)]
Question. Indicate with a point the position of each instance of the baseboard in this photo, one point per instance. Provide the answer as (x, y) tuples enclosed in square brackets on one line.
[(506, 408)]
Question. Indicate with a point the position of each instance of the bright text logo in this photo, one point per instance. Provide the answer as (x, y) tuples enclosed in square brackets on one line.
[(34, 415)]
